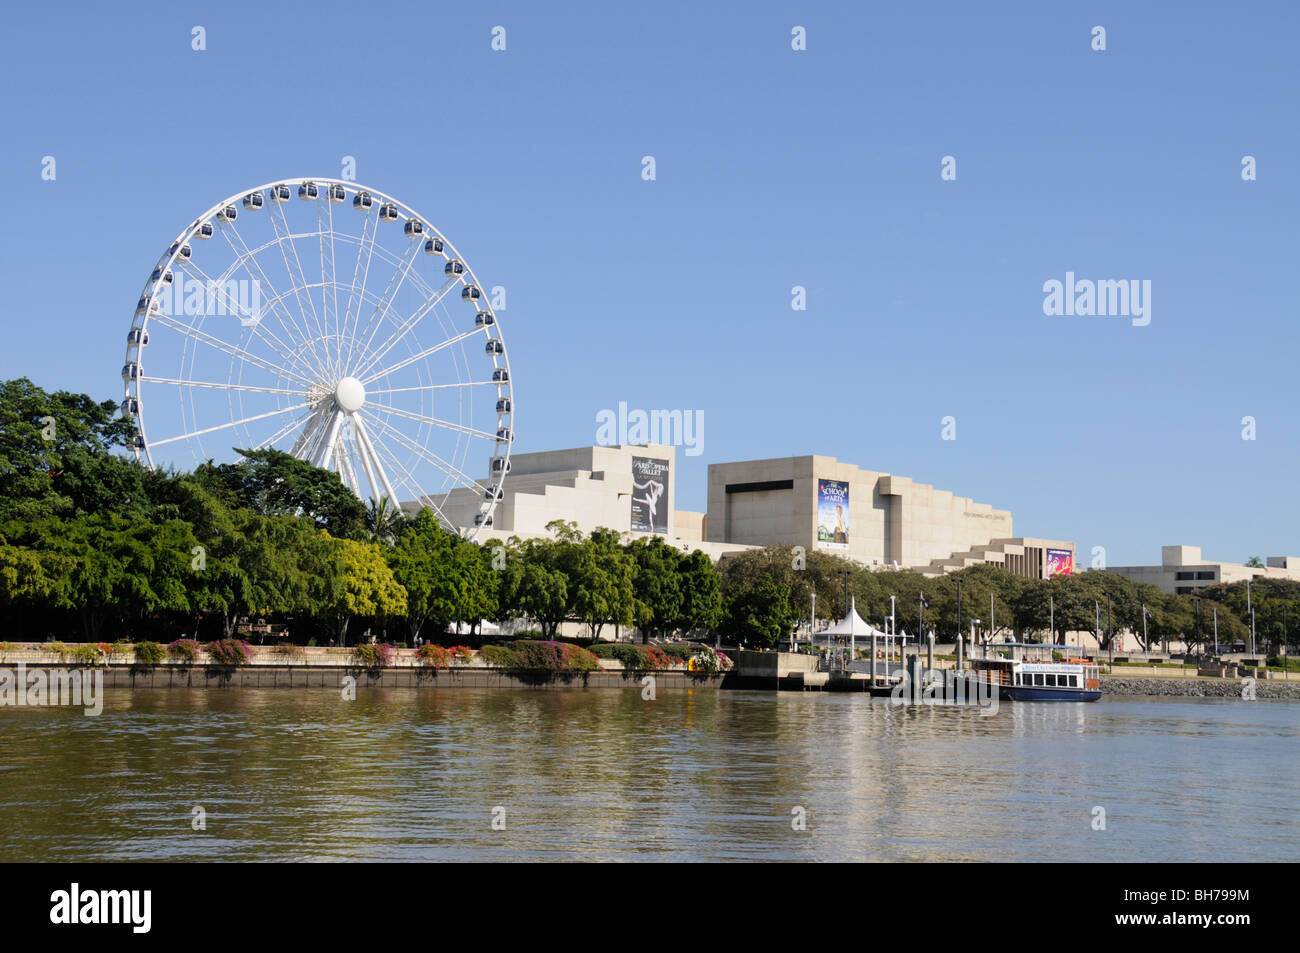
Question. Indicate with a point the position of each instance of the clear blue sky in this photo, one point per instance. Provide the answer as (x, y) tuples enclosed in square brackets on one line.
[(775, 168)]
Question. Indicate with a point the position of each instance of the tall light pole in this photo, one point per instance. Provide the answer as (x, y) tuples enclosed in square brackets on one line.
[(1110, 628), (812, 626), (1196, 608), (893, 628), (1251, 612), (959, 608)]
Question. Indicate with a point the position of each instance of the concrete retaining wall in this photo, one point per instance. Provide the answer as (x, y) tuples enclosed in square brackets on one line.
[(1197, 687), (331, 676)]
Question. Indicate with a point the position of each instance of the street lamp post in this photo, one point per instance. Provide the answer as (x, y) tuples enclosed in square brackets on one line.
[(812, 626), (1252, 618), (1196, 609), (959, 608)]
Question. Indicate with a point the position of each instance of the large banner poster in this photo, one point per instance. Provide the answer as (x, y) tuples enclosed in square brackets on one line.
[(1059, 561), (832, 514), (649, 495)]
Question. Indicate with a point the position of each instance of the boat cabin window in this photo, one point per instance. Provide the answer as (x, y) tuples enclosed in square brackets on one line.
[(1051, 681), (1038, 678)]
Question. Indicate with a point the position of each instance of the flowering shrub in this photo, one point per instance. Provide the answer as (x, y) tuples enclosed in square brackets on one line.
[(498, 656), (536, 656), (707, 660), (656, 658), (635, 658), (460, 654), (555, 657), (373, 657), (434, 656), (229, 651), (185, 651), (682, 651), (148, 653), (88, 655), (56, 648)]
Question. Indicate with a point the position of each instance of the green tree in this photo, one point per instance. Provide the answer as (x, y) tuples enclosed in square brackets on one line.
[(657, 585), (699, 585), (757, 613), (274, 483), (422, 563), (369, 588)]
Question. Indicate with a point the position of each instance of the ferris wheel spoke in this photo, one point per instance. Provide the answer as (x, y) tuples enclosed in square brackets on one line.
[(283, 432), (409, 481), (254, 322), (366, 249), (250, 265), (227, 386), (228, 424), (233, 350), (385, 302), (329, 291), (428, 455), (421, 355), (297, 276), (401, 332), (437, 422), (310, 432)]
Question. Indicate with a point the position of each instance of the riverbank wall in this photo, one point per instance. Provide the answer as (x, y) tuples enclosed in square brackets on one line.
[(298, 676), (1198, 687)]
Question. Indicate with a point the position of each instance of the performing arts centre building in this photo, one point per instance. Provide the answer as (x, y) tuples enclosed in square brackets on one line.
[(817, 502)]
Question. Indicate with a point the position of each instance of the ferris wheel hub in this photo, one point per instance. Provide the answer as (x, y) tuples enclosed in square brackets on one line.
[(350, 395)]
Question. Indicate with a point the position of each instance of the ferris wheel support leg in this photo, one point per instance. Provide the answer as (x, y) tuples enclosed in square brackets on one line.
[(330, 441), (346, 471), (375, 491), (369, 450)]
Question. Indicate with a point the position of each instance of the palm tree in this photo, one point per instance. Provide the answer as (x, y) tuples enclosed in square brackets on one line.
[(384, 521)]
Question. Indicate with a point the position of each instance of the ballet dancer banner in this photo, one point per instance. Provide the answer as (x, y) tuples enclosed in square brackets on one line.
[(649, 495)]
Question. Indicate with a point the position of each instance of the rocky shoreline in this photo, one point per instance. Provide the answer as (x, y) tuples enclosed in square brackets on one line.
[(1197, 687)]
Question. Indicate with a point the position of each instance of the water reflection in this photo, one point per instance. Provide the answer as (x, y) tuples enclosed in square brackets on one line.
[(415, 775)]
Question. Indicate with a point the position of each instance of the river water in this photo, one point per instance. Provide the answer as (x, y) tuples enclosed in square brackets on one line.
[(410, 775)]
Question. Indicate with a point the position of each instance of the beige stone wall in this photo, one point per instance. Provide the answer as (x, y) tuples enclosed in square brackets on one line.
[(890, 517), (1187, 559)]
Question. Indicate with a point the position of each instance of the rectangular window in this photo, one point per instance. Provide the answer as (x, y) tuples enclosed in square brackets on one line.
[(1074, 681), (1038, 678), (1184, 575), (1205, 575), (1184, 590), (1051, 681)]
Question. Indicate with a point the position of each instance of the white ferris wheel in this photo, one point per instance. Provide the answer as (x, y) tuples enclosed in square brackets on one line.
[(332, 322)]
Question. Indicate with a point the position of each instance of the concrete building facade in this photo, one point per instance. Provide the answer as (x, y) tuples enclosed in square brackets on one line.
[(1182, 570), (877, 519), (820, 503), (628, 489)]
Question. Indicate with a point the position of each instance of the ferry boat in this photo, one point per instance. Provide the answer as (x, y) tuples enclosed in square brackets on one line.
[(1032, 672)]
